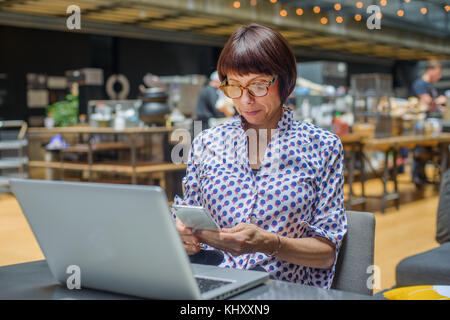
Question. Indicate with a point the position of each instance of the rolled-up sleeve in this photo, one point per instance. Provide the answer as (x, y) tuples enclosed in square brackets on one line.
[(329, 219)]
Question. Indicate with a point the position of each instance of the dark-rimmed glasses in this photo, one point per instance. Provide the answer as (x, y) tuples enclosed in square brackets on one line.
[(259, 88)]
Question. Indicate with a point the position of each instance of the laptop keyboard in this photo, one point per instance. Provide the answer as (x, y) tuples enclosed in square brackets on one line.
[(206, 284)]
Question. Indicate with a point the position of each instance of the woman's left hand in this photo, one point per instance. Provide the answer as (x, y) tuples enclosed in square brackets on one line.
[(243, 238)]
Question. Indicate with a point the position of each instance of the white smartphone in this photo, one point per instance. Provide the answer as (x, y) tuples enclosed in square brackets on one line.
[(194, 217)]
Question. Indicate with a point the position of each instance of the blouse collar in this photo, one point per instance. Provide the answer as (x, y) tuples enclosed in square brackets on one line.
[(284, 123)]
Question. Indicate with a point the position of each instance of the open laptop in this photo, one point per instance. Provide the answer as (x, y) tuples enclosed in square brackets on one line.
[(122, 239)]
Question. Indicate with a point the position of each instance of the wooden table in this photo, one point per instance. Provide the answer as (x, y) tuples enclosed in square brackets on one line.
[(392, 145)]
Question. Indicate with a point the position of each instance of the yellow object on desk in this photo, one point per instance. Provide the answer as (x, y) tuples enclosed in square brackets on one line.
[(419, 293)]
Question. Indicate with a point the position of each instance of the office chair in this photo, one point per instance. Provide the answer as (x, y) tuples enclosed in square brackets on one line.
[(356, 256)]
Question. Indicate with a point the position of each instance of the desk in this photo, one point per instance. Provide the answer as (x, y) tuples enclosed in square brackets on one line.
[(33, 280)]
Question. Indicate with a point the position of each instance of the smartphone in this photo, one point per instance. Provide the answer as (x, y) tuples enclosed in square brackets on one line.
[(195, 217)]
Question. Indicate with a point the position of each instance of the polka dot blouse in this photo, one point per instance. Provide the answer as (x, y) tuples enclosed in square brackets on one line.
[(297, 191)]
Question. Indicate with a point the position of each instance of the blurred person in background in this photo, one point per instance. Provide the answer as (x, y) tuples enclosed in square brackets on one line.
[(424, 90), (428, 95), (212, 103)]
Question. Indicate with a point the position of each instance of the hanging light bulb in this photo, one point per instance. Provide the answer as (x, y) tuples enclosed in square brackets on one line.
[(324, 20), (253, 3), (316, 9), (423, 10), (359, 4), (337, 6), (383, 3), (400, 13), (447, 8), (237, 4), (299, 11), (273, 1), (358, 17), (283, 13), (339, 19)]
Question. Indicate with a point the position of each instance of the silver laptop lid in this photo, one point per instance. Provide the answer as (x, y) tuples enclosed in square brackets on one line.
[(122, 237)]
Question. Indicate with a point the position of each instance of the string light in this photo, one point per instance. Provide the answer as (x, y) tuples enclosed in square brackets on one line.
[(299, 11), (283, 13), (383, 3), (359, 4), (253, 3), (316, 9), (407, 1), (337, 6), (423, 10), (358, 17), (447, 8), (339, 19), (273, 1), (324, 20), (379, 15), (237, 4), (400, 13)]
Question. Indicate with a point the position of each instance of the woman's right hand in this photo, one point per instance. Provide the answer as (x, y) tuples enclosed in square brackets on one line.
[(191, 243)]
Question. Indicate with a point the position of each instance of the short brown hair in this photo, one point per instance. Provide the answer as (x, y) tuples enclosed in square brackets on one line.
[(259, 49), (433, 64)]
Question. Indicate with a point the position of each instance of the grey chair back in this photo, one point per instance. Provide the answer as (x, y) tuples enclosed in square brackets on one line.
[(443, 216), (356, 255)]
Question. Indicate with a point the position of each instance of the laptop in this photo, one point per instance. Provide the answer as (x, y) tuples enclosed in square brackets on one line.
[(122, 239)]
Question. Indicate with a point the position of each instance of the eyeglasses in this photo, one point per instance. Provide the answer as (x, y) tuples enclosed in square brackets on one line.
[(258, 88)]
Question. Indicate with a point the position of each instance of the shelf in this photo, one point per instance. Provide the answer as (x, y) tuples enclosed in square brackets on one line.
[(12, 144), (103, 146), (94, 130), (11, 123), (372, 114), (122, 168), (12, 163)]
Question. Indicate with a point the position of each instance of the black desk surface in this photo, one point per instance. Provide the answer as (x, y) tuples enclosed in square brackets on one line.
[(34, 280)]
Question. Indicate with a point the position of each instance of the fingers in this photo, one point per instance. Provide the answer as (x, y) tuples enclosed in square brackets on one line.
[(237, 240), (182, 228), (191, 243), (192, 247), (241, 226)]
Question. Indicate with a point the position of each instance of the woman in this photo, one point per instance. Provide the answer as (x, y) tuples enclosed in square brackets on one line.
[(274, 185)]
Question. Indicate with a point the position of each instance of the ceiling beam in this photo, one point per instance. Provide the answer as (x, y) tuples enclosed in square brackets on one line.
[(119, 30), (267, 13)]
